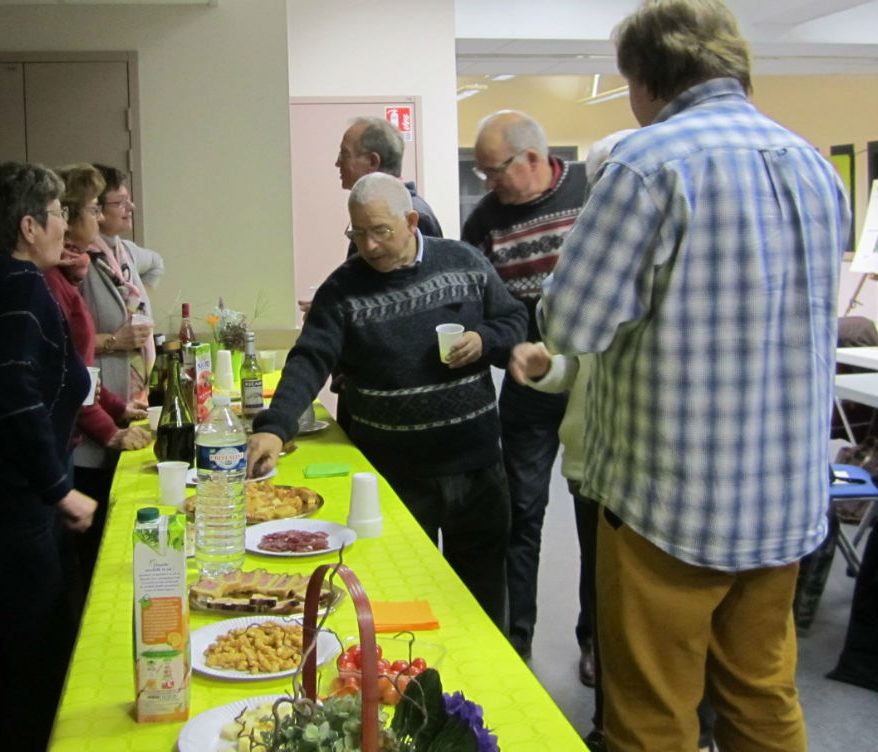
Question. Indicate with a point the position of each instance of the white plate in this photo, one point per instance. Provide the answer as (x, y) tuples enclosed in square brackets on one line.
[(192, 476), (317, 425), (202, 733), (327, 646), (339, 535)]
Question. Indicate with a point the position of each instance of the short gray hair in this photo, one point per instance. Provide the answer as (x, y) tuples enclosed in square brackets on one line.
[(520, 131), (378, 186), (26, 189), (385, 140)]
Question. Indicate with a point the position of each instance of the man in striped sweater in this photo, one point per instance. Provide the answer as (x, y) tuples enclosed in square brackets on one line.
[(430, 428)]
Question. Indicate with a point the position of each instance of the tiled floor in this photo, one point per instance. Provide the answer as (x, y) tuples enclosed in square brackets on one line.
[(839, 716)]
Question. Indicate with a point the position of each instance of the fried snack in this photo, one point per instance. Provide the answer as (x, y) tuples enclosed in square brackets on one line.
[(265, 648), (266, 501), (253, 722)]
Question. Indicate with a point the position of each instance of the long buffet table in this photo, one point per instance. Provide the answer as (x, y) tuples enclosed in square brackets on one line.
[(96, 707)]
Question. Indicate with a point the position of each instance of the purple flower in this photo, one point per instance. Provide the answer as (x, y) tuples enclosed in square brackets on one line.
[(470, 714)]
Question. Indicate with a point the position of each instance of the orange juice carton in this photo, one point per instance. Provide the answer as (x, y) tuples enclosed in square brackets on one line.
[(162, 668)]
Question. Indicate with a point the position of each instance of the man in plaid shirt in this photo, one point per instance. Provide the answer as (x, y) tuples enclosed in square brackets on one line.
[(703, 270)]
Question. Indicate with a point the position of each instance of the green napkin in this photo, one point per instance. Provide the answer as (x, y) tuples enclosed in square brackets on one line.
[(326, 469)]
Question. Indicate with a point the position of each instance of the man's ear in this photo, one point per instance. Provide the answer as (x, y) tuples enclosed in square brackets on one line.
[(374, 161), (411, 220)]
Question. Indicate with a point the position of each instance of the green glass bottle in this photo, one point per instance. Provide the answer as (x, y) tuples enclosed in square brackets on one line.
[(175, 435), (251, 383)]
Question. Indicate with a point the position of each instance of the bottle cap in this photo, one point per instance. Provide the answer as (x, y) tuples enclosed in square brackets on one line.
[(185, 310), (147, 514)]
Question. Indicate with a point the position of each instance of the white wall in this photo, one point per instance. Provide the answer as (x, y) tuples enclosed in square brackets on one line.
[(345, 48), (214, 142)]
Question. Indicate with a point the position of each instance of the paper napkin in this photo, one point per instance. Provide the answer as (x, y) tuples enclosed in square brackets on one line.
[(398, 616), (326, 469)]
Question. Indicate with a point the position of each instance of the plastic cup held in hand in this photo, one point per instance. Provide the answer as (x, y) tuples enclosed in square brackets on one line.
[(153, 414), (364, 516), (448, 334), (267, 360), (172, 482), (93, 374)]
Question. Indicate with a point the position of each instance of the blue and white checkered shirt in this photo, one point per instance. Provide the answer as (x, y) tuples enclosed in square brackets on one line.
[(704, 271)]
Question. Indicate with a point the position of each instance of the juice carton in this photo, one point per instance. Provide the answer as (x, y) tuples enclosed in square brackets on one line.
[(162, 669), (203, 382)]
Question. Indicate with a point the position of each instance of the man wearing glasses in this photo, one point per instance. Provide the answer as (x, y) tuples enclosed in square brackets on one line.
[(532, 203), (431, 428)]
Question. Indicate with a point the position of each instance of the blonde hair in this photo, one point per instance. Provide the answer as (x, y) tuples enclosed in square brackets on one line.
[(82, 184), (670, 45)]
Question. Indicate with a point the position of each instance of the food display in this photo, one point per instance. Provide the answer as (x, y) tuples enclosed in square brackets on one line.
[(393, 676), (257, 592), (252, 723), (269, 647), (265, 501), (295, 541)]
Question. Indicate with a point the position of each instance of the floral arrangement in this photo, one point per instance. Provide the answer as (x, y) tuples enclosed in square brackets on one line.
[(229, 327), (468, 717)]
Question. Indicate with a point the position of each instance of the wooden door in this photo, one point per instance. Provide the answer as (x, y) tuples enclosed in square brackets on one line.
[(13, 139)]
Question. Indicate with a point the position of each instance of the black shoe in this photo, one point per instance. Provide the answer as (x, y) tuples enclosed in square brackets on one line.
[(521, 646), (595, 741), (586, 664)]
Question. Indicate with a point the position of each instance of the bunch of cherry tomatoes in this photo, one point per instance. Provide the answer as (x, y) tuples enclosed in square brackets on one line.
[(393, 677)]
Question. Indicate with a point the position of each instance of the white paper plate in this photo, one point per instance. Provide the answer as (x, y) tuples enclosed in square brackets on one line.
[(327, 646), (317, 425), (202, 733), (192, 476), (339, 535)]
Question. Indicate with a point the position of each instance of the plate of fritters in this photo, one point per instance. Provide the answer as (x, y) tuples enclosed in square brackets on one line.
[(255, 648), (267, 501), (258, 592), (228, 727)]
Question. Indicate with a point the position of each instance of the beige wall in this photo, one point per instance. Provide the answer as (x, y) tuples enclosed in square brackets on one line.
[(214, 142), (826, 110)]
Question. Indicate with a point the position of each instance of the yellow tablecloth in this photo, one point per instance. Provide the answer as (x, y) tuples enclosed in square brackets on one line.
[(402, 564)]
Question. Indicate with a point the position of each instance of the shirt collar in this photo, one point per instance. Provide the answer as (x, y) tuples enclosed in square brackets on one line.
[(715, 88)]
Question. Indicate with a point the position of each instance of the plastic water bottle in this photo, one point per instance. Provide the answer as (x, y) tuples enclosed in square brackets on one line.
[(220, 517)]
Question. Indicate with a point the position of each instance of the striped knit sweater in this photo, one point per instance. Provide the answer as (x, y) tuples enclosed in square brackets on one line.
[(410, 412)]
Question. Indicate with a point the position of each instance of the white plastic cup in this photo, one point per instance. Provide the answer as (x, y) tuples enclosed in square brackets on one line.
[(448, 334), (223, 378), (307, 419), (267, 360), (172, 482), (93, 374), (364, 516), (153, 414)]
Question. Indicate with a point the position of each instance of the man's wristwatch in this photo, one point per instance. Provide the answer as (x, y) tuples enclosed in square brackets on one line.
[(109, 342)]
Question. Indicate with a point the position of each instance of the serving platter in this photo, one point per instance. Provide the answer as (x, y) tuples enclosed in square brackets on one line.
[(201, 639), (202, 733), (339, 536)]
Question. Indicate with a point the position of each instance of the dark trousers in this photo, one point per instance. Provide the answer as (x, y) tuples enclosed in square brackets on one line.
[(36, 626), (472, 511), (529, 423)]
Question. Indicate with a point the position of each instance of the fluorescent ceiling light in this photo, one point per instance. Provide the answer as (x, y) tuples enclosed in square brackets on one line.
[(470, 90), (598, 96), (503, 77)]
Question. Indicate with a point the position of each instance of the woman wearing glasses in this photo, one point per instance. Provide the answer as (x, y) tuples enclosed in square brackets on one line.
[(100, 436), (42, 384)]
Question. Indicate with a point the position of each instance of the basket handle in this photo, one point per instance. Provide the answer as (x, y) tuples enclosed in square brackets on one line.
[(366, 625)]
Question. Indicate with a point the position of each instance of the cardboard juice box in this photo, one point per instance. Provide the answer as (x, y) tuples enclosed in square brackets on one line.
[(162, 668), (203, 382)]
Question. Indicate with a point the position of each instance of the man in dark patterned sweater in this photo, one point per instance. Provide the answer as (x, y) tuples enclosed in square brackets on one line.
[(430, 428), (533, 201)]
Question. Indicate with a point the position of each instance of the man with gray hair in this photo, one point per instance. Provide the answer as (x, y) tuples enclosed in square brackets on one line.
[(430, 428), (371, 144), (703, 271), (519, 225)]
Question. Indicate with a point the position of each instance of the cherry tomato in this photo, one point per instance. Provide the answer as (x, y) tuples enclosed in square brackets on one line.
[(397, 667), (419, 664), (383, 666), (346, 663), (402, 681), (379, 653), (355, 653), (387, 692)]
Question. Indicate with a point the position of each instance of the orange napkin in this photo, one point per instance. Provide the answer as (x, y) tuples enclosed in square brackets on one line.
[(398, 616)]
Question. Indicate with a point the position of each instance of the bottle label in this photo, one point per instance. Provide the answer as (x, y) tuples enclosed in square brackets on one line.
[(251, 395), (222, 458)]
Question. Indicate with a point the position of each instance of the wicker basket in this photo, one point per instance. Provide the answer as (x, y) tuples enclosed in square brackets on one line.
[(366, 625)]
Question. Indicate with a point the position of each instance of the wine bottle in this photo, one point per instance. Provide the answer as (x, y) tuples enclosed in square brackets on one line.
[(187, 333), (175, 435), (251, 383)]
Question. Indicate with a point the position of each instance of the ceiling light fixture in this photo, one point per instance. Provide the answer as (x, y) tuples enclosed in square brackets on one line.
[(598, 96), (469, 90), (503, 77)]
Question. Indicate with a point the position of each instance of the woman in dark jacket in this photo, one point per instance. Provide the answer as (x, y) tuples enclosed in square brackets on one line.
[(42, 385)]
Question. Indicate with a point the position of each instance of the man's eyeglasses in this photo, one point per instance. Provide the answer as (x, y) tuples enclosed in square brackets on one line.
[(379, 234), (122, 203), (488, 173), (63, 212)]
